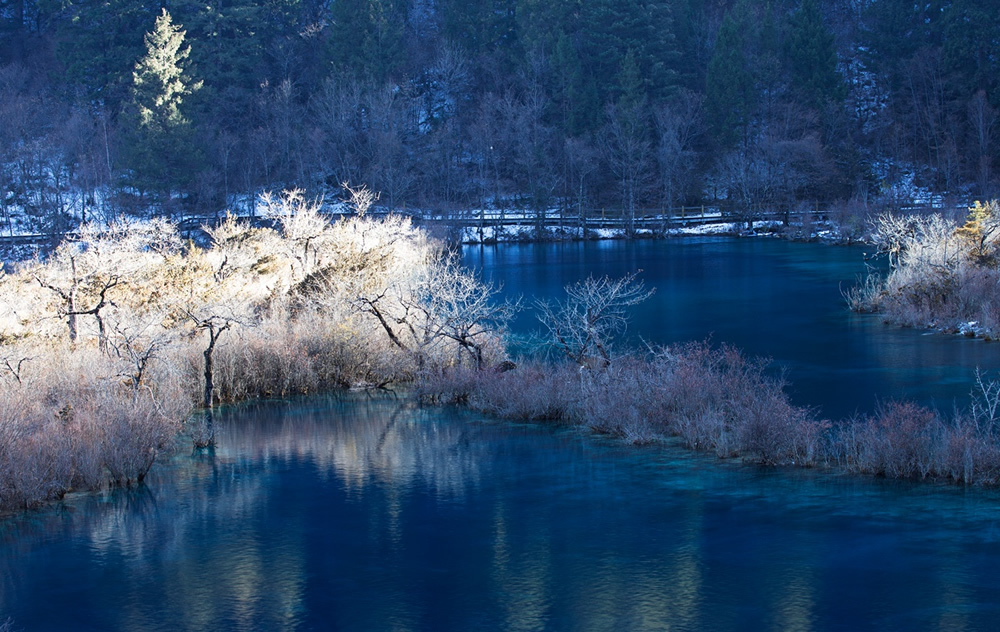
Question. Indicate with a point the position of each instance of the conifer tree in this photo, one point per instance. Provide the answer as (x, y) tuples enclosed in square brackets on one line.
[(730, 88), (367, 37), (812, 58), (575, 91), (97, 43), (160, 149), (481, 27), (614, 28), (971, 33)]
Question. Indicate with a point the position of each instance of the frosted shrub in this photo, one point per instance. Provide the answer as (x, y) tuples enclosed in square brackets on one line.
[(942, 274), (124, 330), (899, 441), (531, 392)]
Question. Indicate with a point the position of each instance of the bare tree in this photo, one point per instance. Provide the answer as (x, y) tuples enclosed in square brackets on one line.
[(530, 142), (581, 162), (582, 327), (628, 152), (137, 346), (676, 130), (74, 277), (751, 178), (302, 224), (13, 367), (453, 305), (215, 325), (337, 119), (390, 125), (361, 198), (983, 118)]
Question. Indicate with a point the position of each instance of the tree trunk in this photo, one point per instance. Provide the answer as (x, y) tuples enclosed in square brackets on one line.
[(209, 370)]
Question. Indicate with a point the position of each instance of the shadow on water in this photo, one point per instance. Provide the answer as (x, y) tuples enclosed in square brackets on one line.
[(356, 513)]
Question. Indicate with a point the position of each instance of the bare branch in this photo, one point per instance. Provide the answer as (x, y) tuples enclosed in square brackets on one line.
[(594, 311)]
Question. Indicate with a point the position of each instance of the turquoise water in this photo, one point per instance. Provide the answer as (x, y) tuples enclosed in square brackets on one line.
[(771, 298), (359, 513)]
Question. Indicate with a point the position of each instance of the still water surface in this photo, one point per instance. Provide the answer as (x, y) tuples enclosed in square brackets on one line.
[(351, 513), (770, 298)]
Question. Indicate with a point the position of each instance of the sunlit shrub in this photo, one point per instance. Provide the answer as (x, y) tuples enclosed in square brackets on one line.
[(942, 272), (124, 330)]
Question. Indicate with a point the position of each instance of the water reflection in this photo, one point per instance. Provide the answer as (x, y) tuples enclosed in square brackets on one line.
[(358, 442), (361, 514)]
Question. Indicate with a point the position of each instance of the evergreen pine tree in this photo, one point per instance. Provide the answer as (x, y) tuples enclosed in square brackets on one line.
[(812, 58), (366, 38), (97, 44), (612, 28), (575, 92), (160, 151), (971, 35), (730, 88), (482, 27)]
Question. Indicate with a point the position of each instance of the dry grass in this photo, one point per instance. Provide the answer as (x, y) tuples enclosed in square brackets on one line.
[(714, 399), (73, 424)]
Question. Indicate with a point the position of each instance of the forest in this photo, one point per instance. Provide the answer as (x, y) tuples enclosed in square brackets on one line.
[(123, 107)]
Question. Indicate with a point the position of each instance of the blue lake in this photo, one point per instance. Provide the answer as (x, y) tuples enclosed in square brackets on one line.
[(771, 298), (359, 513)]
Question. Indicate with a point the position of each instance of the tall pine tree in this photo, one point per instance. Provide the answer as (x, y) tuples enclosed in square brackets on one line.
[(812, 58), (367, 38), (160, 149), (97, 44), (730, 87)]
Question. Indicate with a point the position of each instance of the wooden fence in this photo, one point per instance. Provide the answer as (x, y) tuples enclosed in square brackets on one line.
[(646, 220)]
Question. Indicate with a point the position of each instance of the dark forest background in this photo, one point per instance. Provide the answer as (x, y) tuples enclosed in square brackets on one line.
[(111, 106)]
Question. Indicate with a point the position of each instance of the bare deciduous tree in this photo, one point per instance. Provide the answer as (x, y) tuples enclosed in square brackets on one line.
[(628, 152), (582, 326), (983, 118), (676, 130), (453, 305)]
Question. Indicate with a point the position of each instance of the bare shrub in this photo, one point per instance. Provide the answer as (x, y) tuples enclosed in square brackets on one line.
[(968, 454), (725, 402), (132, 433), (943, 273), (75, 423), (448, 386), (624, 400), (267, 362), (714, 399), (533, 391), (899, 441), (867, 295)]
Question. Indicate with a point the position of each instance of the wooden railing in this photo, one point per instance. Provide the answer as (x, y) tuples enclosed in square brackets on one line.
[(654, 220)]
